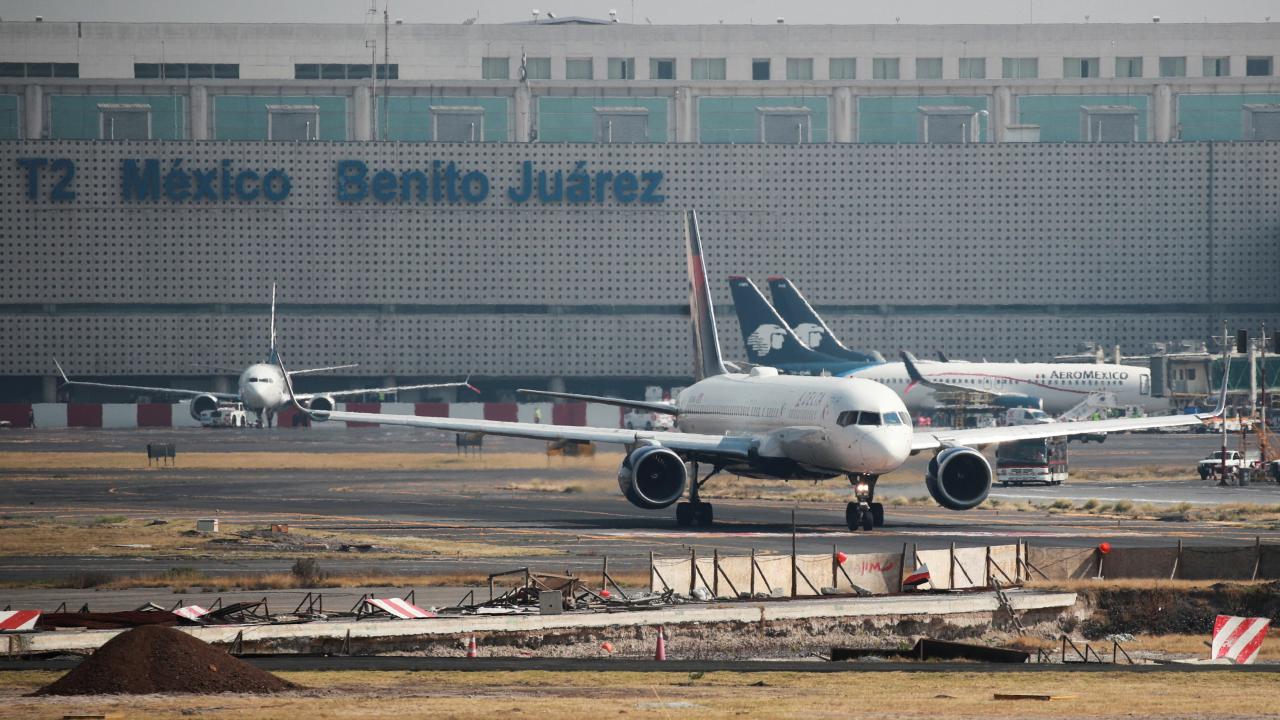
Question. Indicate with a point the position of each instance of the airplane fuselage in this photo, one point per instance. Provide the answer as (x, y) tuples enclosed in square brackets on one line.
[(826, 425), (1060, 386), (262, 388)]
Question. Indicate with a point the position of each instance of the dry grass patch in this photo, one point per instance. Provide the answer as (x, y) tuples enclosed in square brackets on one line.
[(547, 486), (714, 695), (345, 462)]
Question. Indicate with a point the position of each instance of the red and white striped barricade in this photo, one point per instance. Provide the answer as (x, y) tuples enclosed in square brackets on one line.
[(18, 620), (1238, 638), (400, 608), (190, 612)]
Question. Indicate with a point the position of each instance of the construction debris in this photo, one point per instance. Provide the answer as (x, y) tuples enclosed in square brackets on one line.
[(930, 649)]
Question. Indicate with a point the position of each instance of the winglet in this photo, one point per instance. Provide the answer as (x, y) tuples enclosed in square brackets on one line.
[(61, 372), (467, 384), (1221, 408), (909, 362), (293, 397)]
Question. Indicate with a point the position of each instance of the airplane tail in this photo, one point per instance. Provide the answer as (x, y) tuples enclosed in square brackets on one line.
[(707, 360), (274, 356), (768, 338), (809, 326)]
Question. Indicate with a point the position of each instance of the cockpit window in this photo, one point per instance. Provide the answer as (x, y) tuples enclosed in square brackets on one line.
[(868, 418), (847, 418), (891, 418), (906, 419), (253, 379)]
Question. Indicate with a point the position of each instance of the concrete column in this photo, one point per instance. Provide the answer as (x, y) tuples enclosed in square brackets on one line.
[(843, 117), (199, 102), (49, 388), (1001, 118), (1163, 117), (686, 115), (524, 113), (33, 109), (363, 114), (556, 384)]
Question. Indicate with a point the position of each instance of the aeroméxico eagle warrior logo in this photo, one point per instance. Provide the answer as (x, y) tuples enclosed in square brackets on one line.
[(810, 334), (766, 338)]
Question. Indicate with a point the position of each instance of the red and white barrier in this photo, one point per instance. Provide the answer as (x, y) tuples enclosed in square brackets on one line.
[(16, 620), (191, 612), (400, 608), (162, 415), (1238, 638)]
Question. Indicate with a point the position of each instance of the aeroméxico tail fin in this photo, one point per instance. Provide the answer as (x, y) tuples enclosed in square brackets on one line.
[(768, 338), (809, 326), (707, 360)]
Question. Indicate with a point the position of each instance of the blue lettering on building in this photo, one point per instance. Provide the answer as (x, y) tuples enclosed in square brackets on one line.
[(152, 180)]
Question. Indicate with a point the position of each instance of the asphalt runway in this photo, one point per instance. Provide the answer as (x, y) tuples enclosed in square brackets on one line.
[(477, 505)]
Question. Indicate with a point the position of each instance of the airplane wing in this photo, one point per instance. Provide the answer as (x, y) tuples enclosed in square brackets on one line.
[(737, 446), (363, 391), (909, 361), (309, 371), (143, 389), (937, 440), (662, 407)]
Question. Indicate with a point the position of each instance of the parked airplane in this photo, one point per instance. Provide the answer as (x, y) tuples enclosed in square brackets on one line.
[(261, 387), (1054, 387), (762, 424)]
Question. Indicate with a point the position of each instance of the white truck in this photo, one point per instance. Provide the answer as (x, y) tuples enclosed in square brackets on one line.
[(224, 416), (1212, 465)]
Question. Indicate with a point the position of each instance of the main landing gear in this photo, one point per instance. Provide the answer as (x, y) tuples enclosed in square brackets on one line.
[(863, 513), (695, 513)]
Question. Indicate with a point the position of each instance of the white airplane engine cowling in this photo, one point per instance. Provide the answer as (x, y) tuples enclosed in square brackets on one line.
[(201, 403), (652, 477), (959, 478), (323, 403)]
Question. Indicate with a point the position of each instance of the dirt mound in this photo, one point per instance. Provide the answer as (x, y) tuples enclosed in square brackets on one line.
[(157, 659)]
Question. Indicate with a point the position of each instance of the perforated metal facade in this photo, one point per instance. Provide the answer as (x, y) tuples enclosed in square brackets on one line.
[(997, 251)]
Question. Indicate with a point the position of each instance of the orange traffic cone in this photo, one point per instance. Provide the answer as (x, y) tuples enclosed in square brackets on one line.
[(471, 648), (661, 652)]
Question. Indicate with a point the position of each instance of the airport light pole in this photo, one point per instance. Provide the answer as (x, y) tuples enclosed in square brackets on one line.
[(1226, 365)]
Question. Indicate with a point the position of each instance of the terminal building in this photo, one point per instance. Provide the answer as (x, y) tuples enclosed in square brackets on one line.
[(503, 200)]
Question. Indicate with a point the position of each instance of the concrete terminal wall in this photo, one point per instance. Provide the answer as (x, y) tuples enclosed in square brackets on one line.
[(997, 251)]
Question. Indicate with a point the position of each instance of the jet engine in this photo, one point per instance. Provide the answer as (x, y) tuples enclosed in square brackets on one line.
[(959, 478), (652, 477), (323, 403), (201, 403)]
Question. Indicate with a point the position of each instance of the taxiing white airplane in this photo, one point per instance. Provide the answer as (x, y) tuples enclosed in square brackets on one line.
[(261, 388), (762, 424)]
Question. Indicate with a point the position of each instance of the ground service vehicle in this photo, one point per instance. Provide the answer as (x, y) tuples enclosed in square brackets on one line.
[(1043, 460)]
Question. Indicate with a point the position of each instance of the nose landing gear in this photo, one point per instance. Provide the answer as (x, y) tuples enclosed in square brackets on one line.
[(864, 513)]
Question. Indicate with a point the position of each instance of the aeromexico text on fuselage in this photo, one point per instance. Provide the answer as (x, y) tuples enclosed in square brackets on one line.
[(1059, 388)]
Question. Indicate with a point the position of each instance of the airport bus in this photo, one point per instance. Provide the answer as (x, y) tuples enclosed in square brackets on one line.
[(1032, 461)]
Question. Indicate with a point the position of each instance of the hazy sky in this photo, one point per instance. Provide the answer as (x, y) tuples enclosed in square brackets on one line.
[(657, 11)]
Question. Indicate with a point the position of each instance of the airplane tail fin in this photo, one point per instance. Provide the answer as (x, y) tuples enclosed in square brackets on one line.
[(809, 326), (707, 360), (274, 357), (768, 338)]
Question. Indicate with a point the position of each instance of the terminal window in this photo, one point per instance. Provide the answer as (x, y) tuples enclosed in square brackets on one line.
[(1109, 123), (662, 69), (1128, 67), (1217, 67), (1020, 68), (293, 123), (495, 68), (39, 70), (1257, 66), (323, 71), (1080, 67), (1173, 67), (799, 68), (784, 125), (538, 68), (884, 69), (928, 68), (708, 68), (973, 68), (622, 125), (1262, 122), (760, 69), (457, 124), (622, 68), (124, 122), (947, 124), (186, 71), (843, 69), (578, 69)]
